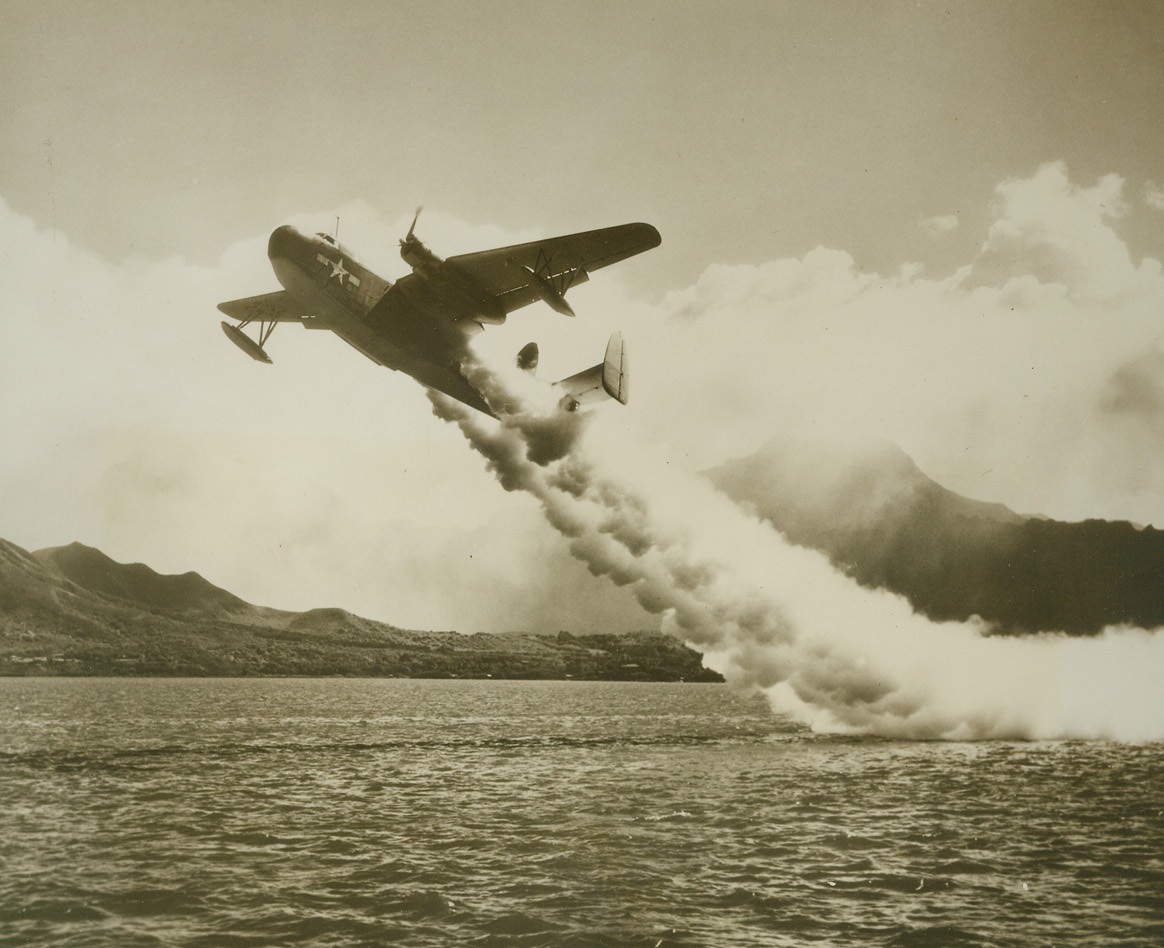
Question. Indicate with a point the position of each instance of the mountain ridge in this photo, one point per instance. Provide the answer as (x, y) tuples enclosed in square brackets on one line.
[(93, 570), (72, 610), (883, 522)]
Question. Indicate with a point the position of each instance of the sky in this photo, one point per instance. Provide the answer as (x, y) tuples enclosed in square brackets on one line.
[(936, 223)]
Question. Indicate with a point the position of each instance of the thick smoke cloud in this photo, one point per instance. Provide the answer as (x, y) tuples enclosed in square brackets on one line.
[(1038, 359), (779, 618)]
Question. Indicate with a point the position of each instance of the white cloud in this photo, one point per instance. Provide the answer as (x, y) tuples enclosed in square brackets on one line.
[(1057, 232), (1031, 376), (322, 479), (997, 379), (940, 225), (1154, 195)]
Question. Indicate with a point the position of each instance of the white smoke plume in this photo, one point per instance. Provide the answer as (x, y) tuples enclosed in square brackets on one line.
[(779, 618)]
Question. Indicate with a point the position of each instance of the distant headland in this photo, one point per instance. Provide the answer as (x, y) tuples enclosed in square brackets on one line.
[(72, 610)]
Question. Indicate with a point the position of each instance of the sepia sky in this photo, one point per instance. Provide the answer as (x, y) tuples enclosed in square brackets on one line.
[(745, 131), (938, 223)]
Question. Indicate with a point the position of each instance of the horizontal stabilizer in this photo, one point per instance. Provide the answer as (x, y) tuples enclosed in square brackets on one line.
[(609, 379)]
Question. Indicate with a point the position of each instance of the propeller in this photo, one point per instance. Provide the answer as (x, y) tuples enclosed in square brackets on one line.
[(415, 253), (408, 237)]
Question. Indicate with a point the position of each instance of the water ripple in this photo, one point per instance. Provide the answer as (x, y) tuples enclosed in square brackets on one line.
[(526, 813)]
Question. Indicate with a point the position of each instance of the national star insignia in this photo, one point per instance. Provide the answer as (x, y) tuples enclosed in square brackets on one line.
[(337, 270)]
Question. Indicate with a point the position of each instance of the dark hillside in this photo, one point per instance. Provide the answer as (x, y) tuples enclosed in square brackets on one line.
[(74, 611), (881, 520), (93, 570)]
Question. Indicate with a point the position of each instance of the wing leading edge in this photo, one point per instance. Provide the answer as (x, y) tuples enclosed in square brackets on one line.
[(512, 274), (278, 307)]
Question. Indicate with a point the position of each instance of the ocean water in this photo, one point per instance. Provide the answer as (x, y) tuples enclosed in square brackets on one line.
[(397, 812)]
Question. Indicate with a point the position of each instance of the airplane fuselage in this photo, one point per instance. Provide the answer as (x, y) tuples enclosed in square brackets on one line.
[(325, 278), (422, 324), (416, 326)]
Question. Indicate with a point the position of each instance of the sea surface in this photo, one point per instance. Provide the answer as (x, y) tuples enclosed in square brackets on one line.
[(398, 812)]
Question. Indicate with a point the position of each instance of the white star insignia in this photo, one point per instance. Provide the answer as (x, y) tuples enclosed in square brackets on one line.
[(337, 270)]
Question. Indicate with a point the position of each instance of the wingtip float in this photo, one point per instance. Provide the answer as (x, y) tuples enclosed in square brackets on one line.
[(245, 342), (420, 324)]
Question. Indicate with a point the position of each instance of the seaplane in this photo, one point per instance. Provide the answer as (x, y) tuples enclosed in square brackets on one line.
[(422, 323)]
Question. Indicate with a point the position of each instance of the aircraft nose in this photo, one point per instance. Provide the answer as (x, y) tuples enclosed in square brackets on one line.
[(283, 240)]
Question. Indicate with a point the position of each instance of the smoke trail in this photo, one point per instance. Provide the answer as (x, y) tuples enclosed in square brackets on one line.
[(775, 617)]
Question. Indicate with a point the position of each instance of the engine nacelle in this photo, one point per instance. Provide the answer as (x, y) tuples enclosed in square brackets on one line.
[(527, 358), (420, 258)]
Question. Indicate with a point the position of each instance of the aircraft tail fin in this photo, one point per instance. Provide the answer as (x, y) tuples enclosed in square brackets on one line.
[(609, 379)]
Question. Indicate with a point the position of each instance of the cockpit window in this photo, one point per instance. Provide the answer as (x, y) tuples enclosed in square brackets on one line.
[(327, 237)]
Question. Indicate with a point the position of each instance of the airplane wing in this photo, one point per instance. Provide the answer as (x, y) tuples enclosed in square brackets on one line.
[(277, 307), (507, 272)]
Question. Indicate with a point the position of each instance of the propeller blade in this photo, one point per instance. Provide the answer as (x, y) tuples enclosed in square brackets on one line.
[(414, 220)]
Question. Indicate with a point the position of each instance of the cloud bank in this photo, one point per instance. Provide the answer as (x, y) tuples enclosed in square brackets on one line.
[(1031, 376), (320, 480)]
